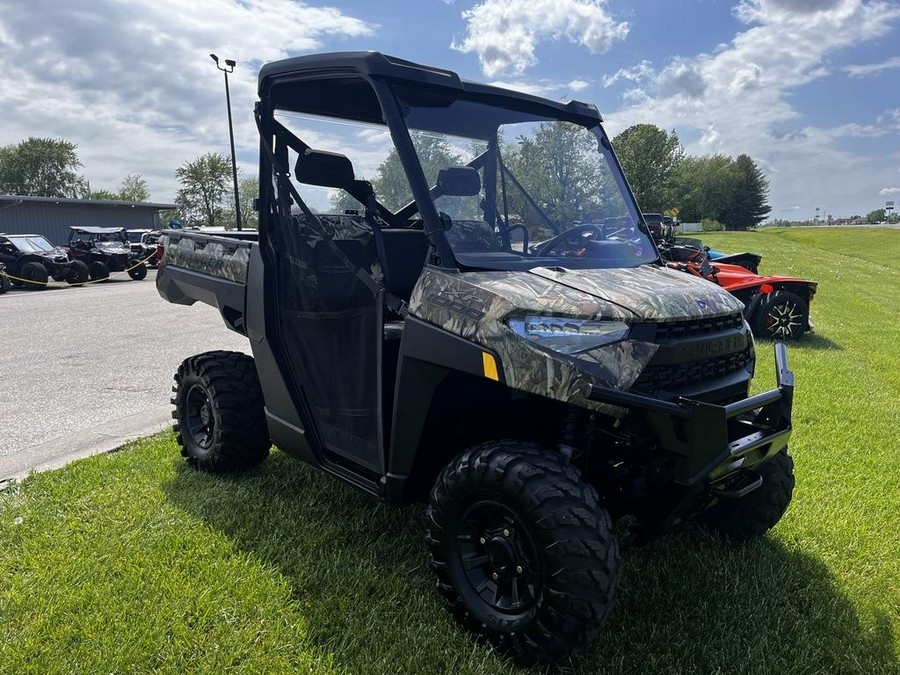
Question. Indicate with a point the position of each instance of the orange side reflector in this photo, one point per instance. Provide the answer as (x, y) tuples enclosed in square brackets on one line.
[(490, 367), (766, 288)]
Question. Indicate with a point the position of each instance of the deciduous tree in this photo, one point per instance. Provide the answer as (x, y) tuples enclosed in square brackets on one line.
[(705, 187), (204, 189), (41, 167), (134, 189), (558, 167), (248, 191), (649, 157)]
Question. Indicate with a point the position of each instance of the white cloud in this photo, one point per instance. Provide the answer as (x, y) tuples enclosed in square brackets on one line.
[(132, 83), (578, 85), (639, 73), (506, 33), (683, 76), (543, 87), (889, 191), (738, 99), (872, 68)]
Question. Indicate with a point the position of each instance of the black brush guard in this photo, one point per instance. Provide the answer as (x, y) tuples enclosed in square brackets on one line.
[(717, 446)]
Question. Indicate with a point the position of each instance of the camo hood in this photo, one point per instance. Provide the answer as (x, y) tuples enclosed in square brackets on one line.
[(477, 306), (650, 293)]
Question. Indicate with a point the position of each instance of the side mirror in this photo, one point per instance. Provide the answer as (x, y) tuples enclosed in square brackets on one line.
[(459, 181), (326, 169)]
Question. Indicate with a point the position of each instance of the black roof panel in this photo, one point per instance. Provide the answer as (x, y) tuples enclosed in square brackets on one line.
[(337, 66)]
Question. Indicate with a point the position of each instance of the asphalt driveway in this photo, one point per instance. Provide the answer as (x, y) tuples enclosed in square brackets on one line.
[(84, 369)]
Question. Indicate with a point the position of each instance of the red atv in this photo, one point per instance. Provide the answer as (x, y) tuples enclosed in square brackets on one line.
[(775, 307)]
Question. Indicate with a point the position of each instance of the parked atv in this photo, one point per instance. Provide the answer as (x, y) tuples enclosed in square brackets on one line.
[(776, 307), (143, 245), (436, 344), (31, 261), (105, 250)]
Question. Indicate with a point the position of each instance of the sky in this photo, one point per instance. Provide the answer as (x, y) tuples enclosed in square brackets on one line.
[(810, 89)]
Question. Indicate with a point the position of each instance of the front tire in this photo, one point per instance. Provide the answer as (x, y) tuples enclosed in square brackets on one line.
[(758, 512), (35, 276), (78, 273), (98, 271), (522, 550), (782, 316), (138, 272), (220, 412)]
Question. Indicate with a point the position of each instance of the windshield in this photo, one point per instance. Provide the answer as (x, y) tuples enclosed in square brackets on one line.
[(515, 185), (32, 244), (518, 190)]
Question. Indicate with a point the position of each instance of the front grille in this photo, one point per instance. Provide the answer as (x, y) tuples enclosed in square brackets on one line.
[(684, 329), (654, 378)]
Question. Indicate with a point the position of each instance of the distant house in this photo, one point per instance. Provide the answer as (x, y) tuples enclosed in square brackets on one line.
[(52, 217)]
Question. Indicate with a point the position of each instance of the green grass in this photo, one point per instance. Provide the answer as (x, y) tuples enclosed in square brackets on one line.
[(132, 563)]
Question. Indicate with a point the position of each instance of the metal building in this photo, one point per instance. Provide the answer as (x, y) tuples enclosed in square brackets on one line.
[(52, 217)]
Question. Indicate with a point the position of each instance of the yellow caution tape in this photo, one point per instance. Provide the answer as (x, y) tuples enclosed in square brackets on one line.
[(83, 283)]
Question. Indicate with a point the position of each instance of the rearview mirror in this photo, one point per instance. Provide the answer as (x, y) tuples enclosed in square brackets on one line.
[(459, 181)]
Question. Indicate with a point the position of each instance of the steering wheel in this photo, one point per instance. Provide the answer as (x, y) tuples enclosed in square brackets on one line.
[(568, 237)]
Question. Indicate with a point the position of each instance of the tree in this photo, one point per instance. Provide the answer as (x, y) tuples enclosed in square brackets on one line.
[(749, 204), (558, 167), (649, 157), (104, 195), (390, 183), (705, 187), (875, 216), (41, 167), (248, 190), (204, 189), (134, 189)]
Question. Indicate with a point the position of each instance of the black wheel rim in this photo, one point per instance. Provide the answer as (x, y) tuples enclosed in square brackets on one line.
[(784, 320), (200, 419), (499, 557)]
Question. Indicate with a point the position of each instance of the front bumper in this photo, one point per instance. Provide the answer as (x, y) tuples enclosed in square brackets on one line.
[(713, 443)]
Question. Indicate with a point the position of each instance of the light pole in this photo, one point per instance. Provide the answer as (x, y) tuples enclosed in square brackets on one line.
[(229, 68)]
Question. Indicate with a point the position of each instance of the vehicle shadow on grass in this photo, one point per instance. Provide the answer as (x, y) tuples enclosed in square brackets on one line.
[(687, 603), (810, 341), (694, 603)]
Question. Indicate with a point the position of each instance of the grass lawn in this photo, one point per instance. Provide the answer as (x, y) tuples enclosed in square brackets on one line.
[(132, 563)]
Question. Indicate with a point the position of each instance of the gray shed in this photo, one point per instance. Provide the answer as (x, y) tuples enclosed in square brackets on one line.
[(52, 217)]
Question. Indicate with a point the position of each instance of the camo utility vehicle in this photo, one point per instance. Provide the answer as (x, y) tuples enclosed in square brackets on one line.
[(487, 327), (31, 261), (105, 250)]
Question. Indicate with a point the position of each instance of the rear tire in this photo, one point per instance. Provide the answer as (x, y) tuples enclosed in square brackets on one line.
[(759, 511), (35, 276), (78, 273), (522, 550), (98, 271), (220, 412), (4, 282), (781, 316), (139, 272)]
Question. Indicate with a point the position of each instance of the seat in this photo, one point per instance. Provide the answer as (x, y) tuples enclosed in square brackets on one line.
[(404, 252)]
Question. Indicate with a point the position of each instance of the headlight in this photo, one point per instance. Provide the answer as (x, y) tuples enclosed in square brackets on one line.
[(568, 336)]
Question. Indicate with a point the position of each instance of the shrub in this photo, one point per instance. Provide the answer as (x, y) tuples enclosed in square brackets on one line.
[(711, 225)]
